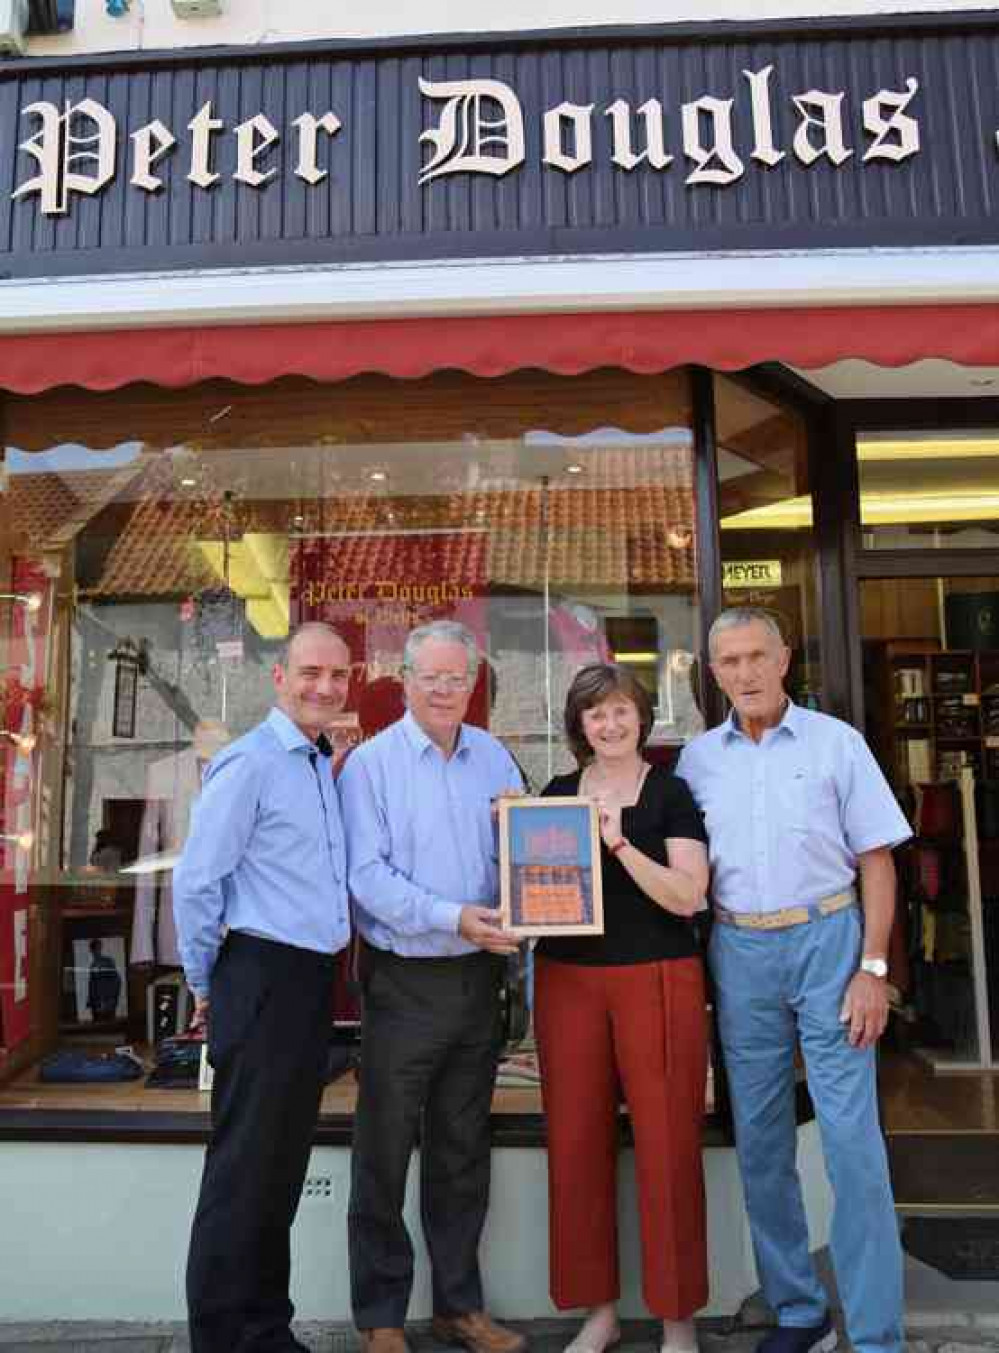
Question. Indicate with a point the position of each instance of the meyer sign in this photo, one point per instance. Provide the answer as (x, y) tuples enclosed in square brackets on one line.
[(751, 573)]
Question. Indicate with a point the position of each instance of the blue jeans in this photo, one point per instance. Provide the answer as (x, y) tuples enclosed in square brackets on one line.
[(774, 986)]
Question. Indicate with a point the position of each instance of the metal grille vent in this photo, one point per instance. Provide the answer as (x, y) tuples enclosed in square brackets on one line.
[(318, 1186)]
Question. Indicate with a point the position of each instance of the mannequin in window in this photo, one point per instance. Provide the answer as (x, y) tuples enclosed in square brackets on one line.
[(103, 984)]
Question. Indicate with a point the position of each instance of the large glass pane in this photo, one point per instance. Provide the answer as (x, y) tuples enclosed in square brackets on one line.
[(156, 549), (765, 511), (929, 490)]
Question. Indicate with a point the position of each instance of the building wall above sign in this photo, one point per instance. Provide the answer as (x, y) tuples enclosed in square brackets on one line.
[(153, 25)]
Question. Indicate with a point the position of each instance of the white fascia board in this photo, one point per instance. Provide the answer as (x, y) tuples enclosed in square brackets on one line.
[(721, 281)]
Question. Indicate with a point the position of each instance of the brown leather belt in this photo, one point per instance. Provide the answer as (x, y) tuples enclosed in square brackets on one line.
[(787, 916)]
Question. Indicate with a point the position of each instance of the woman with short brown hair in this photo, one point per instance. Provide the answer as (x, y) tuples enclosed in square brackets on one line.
[(625, 1012)]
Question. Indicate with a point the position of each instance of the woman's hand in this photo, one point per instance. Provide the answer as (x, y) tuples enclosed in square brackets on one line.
[(610, 822)]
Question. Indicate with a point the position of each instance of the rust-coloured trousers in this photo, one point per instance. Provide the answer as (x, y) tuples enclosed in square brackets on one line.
[(637, 1030)]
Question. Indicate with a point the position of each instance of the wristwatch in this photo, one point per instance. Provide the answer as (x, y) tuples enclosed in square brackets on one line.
[(877, 967)]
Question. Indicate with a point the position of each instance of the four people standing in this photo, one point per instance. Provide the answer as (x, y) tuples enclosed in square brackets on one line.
[(796, 809)]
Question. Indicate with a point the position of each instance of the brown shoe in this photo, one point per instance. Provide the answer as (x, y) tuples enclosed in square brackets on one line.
[(384, 1341), (477, 1331)]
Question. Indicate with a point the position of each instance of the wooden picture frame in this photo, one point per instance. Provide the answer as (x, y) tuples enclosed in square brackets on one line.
[(550, 881)]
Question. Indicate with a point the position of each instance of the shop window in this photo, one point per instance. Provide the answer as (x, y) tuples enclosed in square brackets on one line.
[(765, 517), (929, 490), (156, 548)]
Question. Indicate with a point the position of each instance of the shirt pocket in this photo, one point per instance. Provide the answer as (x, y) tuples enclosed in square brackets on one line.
[(813, 803)]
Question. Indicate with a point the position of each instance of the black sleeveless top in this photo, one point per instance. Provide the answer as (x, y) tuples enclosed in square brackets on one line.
[(636, 930)]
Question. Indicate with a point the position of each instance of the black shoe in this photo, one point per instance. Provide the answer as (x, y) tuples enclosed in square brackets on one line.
[(820, 1338)]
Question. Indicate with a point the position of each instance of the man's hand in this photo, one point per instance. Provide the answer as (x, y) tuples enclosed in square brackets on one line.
[(481, 926), (865, 1009), (199, 1020)]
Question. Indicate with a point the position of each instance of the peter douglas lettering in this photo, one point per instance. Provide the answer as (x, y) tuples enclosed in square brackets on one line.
[(480, 128)]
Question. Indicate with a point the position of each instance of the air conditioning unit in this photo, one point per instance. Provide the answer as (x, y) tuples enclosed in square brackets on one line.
[(197, 9), (13, 27)]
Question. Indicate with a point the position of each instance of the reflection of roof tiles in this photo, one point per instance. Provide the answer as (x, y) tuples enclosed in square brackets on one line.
[(630, 525), (498, 542), (49, 509)]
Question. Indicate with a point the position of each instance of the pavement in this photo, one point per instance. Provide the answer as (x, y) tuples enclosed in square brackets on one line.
[(549, 1336), (943, 1315)]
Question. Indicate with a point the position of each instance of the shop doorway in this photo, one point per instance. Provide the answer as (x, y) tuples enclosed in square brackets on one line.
[(930, 645)]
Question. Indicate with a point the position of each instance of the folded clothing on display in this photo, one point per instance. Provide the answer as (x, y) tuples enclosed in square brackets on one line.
[(178, 1061), (69, 1065)]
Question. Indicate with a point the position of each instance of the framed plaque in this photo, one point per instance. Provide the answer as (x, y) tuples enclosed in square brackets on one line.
[(550, 867)]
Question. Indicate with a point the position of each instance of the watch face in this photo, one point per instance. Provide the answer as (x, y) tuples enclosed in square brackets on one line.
[(877, 967)]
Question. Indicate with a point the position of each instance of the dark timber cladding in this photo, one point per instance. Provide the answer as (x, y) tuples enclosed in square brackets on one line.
[(787, 138)]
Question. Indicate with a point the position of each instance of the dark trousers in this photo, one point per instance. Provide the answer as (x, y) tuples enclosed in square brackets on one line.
[(268, 1035), (429, 1045)]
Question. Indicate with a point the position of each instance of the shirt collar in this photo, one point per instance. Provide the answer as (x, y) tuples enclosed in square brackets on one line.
[(790, 723), (419, 741), (288, 734)]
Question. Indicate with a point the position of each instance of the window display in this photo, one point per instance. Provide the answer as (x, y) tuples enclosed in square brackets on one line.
[(159, 546)]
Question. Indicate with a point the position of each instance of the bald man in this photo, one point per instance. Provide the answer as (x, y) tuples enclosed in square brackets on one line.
[(260, 903)]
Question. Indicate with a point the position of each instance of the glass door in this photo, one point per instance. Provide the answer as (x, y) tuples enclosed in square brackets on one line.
[(931, 699)]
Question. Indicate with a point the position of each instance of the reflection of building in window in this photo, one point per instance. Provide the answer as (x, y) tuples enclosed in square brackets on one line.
[(172, 785)]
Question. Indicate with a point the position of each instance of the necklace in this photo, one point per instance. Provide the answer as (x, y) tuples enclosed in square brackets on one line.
[(603, 789)]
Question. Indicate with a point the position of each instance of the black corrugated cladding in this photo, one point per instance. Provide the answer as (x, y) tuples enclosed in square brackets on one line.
[(371, 205)]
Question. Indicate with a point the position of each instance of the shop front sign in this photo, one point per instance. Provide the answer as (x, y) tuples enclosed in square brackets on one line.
[(801, 141), (479, 130)]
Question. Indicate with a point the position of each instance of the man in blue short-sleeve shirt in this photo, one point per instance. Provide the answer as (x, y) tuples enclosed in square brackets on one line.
[(797, 813)]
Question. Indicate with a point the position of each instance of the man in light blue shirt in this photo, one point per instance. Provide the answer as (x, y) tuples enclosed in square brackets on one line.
[(422, 851), (260, 903), (797, 810)]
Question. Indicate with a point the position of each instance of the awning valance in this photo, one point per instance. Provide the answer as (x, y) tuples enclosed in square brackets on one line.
[(566, 343)]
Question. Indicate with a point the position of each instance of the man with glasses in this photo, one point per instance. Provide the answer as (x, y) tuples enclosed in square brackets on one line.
[(421, 843)]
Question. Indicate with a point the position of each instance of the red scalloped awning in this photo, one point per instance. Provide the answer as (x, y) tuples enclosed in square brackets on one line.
[(566, 343)]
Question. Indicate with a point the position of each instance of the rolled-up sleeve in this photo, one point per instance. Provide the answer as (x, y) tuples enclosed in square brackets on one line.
[(221, 826), (383, 892)]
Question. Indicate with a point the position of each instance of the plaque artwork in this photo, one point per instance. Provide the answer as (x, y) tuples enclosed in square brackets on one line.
[(550, 867)]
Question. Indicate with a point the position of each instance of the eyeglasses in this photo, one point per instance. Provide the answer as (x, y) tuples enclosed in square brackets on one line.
[(444, 682)]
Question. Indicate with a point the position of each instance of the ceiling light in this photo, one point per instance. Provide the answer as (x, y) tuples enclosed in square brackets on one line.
[(188, 483), (574, 469), (31, 601), (23, 840), (876, 509), (24, 742), (378, 476), (930, 447)]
